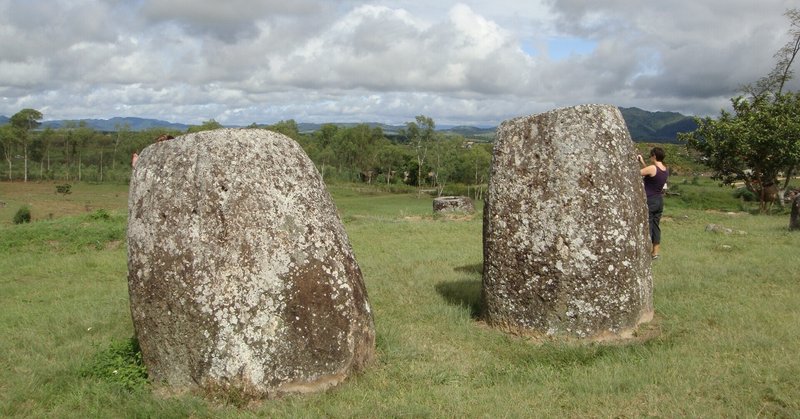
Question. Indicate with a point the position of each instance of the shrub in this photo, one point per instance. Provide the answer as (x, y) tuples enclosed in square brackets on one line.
[(744, 195), (100, 214), (23, 215), (120, 363), (64, 189)]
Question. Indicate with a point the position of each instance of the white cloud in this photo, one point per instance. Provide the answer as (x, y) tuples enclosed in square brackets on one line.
[(311, 60), (227, 20)]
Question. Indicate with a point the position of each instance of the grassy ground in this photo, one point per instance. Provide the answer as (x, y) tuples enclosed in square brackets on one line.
[(46, 203), (727, 321)]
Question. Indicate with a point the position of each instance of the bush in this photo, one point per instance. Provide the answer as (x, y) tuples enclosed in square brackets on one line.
[(64, 189), (100, 214), (23, 215), (745, 195), (120, 363)]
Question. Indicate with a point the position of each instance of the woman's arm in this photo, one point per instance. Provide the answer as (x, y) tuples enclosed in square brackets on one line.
[(646, 170)]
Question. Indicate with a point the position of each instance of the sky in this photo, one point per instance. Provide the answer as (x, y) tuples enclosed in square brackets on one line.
[(461, 63)]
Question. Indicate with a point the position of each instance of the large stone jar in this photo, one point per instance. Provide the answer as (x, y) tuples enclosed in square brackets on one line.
[(566, 246), (241, 275)]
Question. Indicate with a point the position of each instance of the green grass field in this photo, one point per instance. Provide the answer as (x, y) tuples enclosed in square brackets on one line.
[(726, 344)]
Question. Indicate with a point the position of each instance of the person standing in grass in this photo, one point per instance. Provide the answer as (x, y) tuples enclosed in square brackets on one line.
[(655, 179)]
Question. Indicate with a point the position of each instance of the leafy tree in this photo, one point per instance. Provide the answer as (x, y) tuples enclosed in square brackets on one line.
[(288, 128), (391, 158), (325, 135), (123, 132), (756, 143), (421, 134), (209, 125), (24, 122), (445, 156), (7, 139), (344, 149), (369, 141), (100, 143), (480, 158), (81, 138), (47, 140), (476, 163), (70, 142), (40, 150), (319, 147), (355, 148)]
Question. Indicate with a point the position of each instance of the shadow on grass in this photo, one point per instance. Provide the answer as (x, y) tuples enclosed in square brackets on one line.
[(470, 269), (465, 292)]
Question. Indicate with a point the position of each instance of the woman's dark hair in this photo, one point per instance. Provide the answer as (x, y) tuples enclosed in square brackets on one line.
[(658, 152)]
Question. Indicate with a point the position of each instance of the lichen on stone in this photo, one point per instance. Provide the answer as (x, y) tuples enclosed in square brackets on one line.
[(565, 239), (241, 275)]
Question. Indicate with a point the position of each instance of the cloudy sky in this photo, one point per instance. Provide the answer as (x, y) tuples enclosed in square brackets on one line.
[(467, 62)]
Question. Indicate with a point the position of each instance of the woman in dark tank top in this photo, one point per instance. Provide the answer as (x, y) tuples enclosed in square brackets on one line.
[(655, 178)]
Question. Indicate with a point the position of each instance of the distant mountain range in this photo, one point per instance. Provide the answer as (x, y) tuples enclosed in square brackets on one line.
[(644, 126), (110, 125)]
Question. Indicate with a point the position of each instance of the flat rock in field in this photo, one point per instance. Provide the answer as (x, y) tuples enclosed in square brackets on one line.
[(241, 275), (566, 245), (453, 204)]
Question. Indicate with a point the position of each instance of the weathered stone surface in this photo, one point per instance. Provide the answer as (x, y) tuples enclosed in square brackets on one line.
[(241, 276), (566, 245), (460, 204)]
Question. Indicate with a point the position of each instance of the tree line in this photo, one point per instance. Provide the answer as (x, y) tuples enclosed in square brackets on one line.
[(418, 156), (72, 153)]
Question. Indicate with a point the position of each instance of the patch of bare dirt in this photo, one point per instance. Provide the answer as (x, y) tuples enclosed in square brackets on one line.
[(113, 245)]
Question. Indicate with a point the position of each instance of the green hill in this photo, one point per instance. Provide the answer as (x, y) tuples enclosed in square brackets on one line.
[(656, 126), (110, 125)]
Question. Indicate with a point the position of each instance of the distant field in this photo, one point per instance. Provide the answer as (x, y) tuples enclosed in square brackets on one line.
[(46, 203), (726, 332)]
